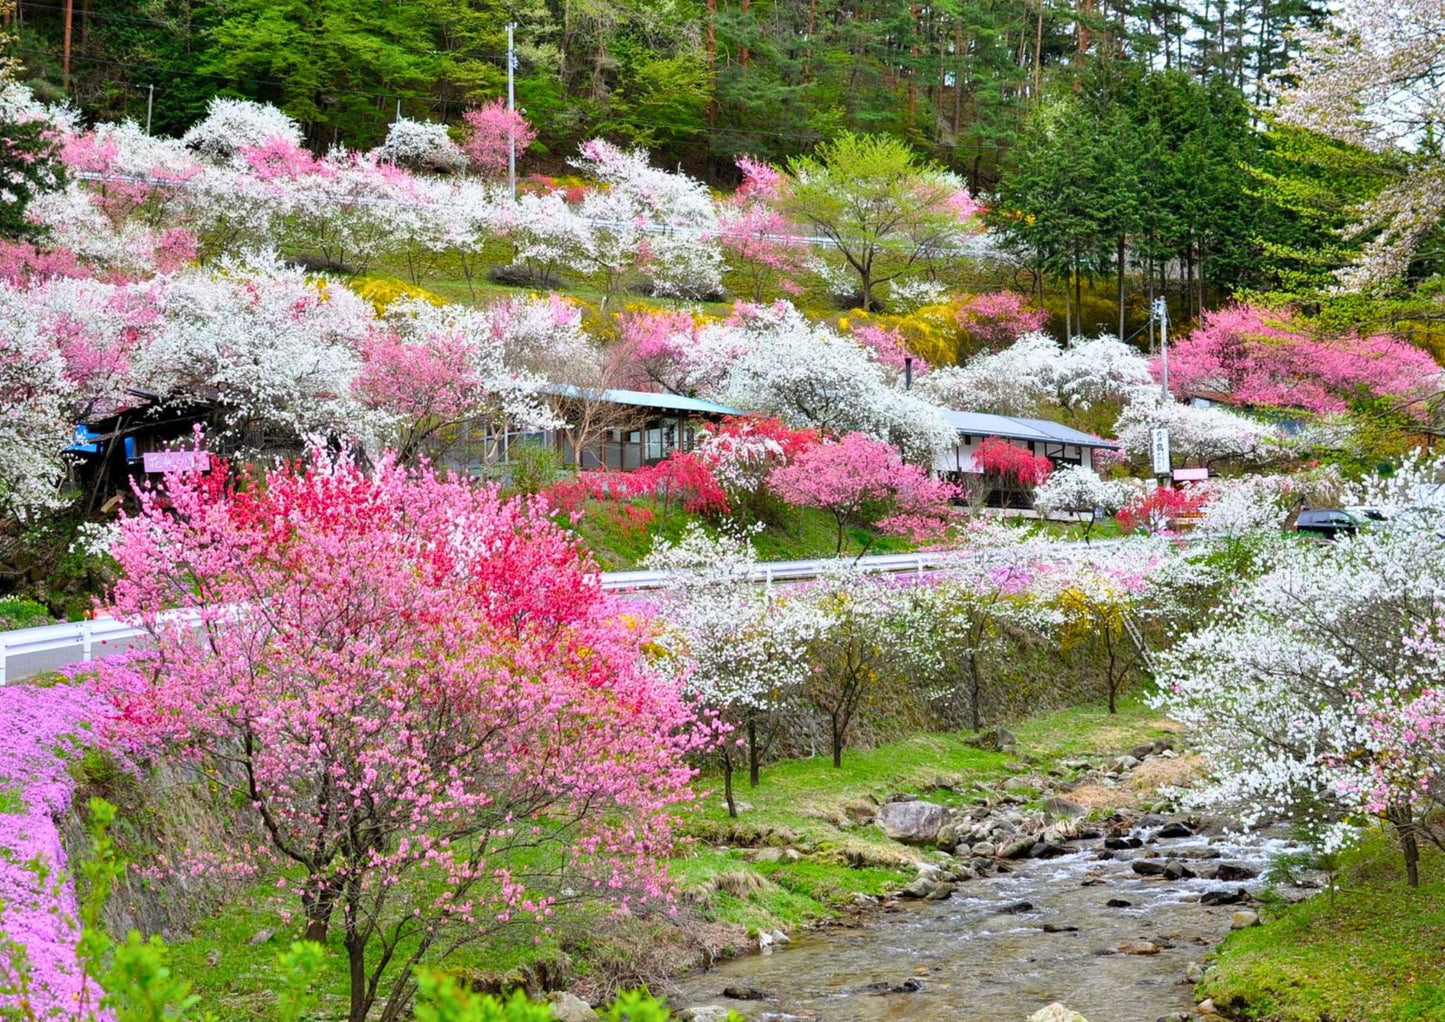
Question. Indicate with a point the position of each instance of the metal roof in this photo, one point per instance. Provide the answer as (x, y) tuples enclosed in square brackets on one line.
[(1014, 428), (643, 399)]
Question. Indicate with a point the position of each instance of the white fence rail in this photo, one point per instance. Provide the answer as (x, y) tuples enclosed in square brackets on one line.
[(25, 652)]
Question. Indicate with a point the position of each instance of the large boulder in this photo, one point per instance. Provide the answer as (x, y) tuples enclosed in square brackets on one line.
[(913, 823)]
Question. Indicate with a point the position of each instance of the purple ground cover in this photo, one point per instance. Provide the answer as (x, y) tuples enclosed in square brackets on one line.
[(38, 728)]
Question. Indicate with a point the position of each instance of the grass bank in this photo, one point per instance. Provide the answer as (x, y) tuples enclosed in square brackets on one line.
[(794, 857), (1369, 952)]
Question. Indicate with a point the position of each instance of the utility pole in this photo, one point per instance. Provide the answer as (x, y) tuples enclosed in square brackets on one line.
[(65, 46), (150, 105), (511, 109), (1161, 313)]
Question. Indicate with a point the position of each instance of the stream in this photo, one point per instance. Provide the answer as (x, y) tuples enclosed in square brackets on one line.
[(984, 955)]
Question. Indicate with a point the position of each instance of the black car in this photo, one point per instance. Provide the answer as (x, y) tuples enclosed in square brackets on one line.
[(1327, 522)]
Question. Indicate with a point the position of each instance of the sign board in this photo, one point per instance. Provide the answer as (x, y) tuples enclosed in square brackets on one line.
[(176, 461), (1191, 475), (1159, 451)]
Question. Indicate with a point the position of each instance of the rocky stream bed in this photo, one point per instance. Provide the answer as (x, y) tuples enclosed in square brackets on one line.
[(1023, 909)]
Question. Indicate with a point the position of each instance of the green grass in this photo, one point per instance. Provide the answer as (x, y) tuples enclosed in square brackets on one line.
[(1373, 951), (619, 538)]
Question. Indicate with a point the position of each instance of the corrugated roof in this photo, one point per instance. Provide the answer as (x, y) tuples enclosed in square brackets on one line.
[(643, 399), (1015, 428)]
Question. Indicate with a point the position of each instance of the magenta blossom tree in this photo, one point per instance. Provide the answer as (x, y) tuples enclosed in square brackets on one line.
[(864, 482), (491, 129), (441, 723), (1260, 357)]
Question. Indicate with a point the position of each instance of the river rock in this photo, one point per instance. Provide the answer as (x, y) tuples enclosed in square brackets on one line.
[(1232, 872), (1016, 908), (742, 993), (1175, 828), (1176, 870), (994, 739), (1017, 784), (914, 823), (1056, 806), (940, 892), (1140, 947), (1059, 928), (919, 888), (1147, 867), (1118, 903), (705, 1013), (570, 1008), (1243, 919), (1016, 848), (1223, 897), (1056, 1012), (1047, 850), (1123, 764), (1120, 843), (983, 848), (1193, 972)]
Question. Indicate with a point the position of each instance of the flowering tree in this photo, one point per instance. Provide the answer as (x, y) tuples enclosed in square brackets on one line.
[(959, 626), (1162, 508), (1264, 358), (773, 361), (1078, 488), (1204, 435), (863, 482), (1372, 78), (851, 648), (492, 131), (419, 689), (741, 647), (886, 215), (233, 124), (646, 219), (1008, 468), (757, 238), (420, 145), (996, 319), (742, 454), (1313, 691)]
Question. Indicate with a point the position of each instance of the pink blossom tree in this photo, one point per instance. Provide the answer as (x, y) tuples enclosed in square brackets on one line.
[(861, 481), (1259, 357), (995, 319), (758, 240), (491, 130), (442, 724)]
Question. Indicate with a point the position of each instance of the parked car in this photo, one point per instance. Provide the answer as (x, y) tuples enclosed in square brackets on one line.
[(1327, 522)]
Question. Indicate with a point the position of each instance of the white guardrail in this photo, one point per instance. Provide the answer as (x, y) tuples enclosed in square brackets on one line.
[(29, 651)]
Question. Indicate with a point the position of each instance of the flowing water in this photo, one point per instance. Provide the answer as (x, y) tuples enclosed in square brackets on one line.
[(983, 957)]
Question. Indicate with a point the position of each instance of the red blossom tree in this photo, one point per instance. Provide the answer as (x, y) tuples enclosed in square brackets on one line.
[(863, 481), (1014, 464), (1160, 509), (441, 722)]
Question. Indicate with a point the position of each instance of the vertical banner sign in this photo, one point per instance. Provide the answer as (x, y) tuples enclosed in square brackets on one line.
[(1159, 451)]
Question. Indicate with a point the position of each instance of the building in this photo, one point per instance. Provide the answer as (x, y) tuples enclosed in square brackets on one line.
[(1059, 443), (620, 430)]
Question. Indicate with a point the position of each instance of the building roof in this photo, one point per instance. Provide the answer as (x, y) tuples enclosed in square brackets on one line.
[(643, 399), (1013, 428)]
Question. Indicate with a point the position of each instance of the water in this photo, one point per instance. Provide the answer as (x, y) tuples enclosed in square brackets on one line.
[(973, 960)]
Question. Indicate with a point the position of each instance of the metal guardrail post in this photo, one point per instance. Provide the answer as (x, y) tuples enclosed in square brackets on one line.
[(86, 640)]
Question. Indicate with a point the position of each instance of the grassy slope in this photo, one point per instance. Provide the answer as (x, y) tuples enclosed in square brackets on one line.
[(1372, 952), (800, 804), (618, 542)]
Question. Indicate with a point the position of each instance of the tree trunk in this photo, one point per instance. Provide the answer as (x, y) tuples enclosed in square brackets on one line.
[(752, 750), (1122, 255), (727, 758), (356, 970), (317, 908), (1404, 820), (975, 694), (837, 742)]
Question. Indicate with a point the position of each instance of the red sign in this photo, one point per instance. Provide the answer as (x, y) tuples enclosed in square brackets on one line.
[(176, 461)]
